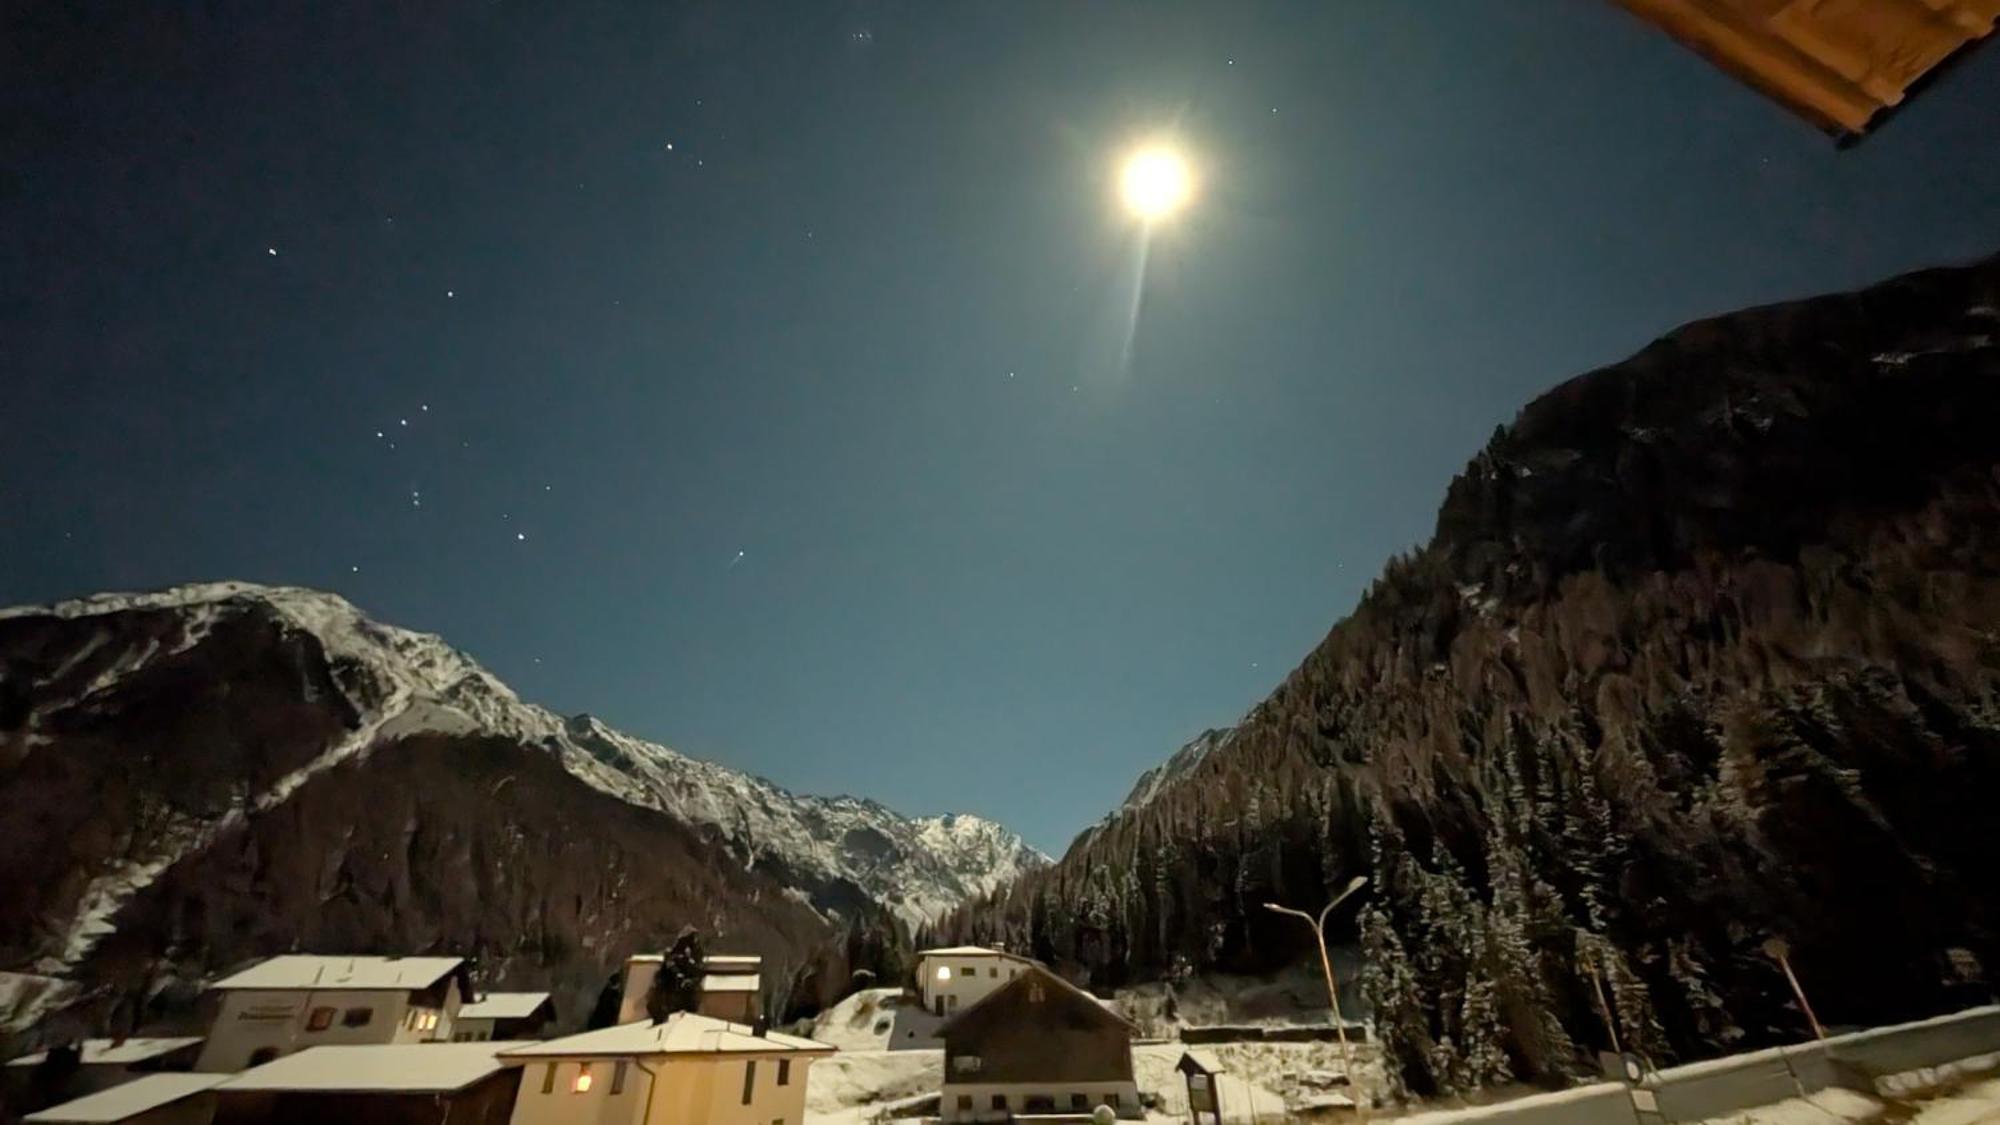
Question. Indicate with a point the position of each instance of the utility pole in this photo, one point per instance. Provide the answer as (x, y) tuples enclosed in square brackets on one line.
[(1326, 966)]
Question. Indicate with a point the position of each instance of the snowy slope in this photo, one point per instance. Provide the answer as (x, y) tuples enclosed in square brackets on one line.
[(403, 683)]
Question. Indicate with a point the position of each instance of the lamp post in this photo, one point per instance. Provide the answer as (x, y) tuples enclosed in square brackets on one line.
[(1326, 965)]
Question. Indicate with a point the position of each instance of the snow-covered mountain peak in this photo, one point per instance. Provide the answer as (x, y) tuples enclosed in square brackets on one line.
[(404, 682)]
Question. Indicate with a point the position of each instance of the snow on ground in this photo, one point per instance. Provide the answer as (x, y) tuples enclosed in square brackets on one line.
[(856, 1087), (1296, 1072), (1294, 996), (876, 1019)]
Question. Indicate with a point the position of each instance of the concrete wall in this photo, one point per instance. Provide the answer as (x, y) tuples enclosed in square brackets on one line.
[(981, 1095), (1606, 1103), (1727, 1085)]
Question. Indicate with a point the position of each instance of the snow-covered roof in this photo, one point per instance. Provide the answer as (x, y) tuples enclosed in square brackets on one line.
[(503, 1006), (129, 1099), (727, 961), (298, 970), (111, 1052), (394, 1068), (970, 951), (1036, 970), (683, 1033), (730, 982)]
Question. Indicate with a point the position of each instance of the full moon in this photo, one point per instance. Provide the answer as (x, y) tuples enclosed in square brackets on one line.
[(1155, 183)]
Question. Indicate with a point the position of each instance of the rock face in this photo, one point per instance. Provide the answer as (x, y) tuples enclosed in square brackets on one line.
[(1705, 650), (203, 775)]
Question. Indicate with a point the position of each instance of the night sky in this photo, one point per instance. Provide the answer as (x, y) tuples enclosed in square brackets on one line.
[(755, 376)]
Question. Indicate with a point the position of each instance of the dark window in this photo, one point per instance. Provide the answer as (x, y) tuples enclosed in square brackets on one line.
[(999, 1101), (618, 1078), (549, 1079), (1034, 992), (320, 1020), (1111, 1100), (993, 972), (749, 1080), (1038, 1103), (356, 1017), (965, 1101), (1078, 1101), (262, 1055), (969, 971), (784, 1072)]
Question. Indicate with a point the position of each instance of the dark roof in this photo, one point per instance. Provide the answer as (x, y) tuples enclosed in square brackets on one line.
[(1037, 972)]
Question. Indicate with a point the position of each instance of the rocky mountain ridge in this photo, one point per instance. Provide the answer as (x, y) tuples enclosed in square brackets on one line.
[(1705, 650), (306, 695)]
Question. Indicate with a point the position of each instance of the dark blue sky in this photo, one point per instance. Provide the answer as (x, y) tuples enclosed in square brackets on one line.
[(861, 324)]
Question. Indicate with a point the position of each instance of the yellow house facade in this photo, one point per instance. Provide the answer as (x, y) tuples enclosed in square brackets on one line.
[(689, 1069)]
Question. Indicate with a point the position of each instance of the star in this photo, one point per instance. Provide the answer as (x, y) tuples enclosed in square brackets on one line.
[(520, 537), (402, 421), (354, 570), (378, 433), (449, 293), (273, 251), (670, 146), (425, 407)]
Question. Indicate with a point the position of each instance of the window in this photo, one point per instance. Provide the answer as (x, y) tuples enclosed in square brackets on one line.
[(951, 1002), (944, 972), (618, 1077), (999, 1101), (1111, 1100), (749, 1080), (969, 971), (784, 1072), (966, 1064), (1038, 1103), (320, 1020), (1079, 1101), (993, 971), (965, 1101), (262, 1055), (549, 1079), (356, 1017), (1035, 992), (582, 1083)]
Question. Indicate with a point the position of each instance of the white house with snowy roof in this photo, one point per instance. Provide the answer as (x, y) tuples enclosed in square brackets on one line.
[(503, 1015), (732, 986), (957, 977), (688, 1069), (289, 1003)]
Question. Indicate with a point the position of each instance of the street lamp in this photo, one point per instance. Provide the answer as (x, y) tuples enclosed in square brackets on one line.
[(1326, 965)]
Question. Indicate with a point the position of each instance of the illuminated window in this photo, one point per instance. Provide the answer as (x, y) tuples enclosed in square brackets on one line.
[(356, 1017), (1034, 992), (320, 1020), (582, 1083), (944, 972), (618, 1078)]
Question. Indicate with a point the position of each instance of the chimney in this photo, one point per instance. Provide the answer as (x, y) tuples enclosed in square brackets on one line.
[(762, 1027)]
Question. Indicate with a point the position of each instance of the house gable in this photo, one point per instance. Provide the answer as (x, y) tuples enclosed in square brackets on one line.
[(1037, 1028)]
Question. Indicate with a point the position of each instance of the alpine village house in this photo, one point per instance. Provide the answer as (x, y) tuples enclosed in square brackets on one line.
[(1037, 1045)]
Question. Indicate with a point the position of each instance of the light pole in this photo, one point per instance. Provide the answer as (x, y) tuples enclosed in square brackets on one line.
[(1326, 965)]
